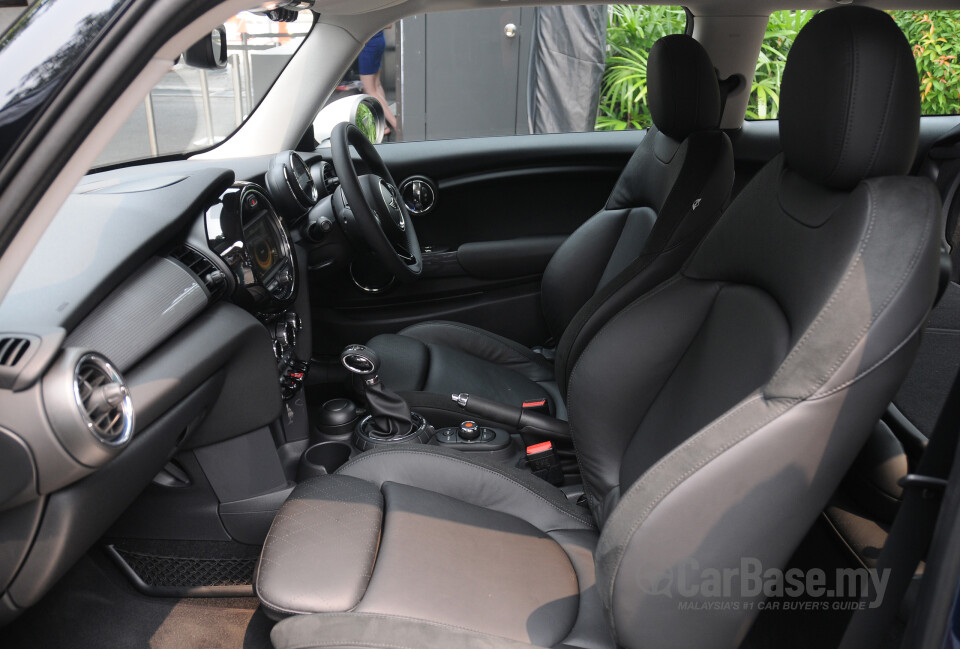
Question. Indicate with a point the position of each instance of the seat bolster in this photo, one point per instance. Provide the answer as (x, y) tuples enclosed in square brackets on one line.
[(484, 345), (378, 631), (405, 361), (319, 553), (492, 486)]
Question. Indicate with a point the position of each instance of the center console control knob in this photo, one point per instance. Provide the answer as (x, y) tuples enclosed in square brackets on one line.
[(469, 431)]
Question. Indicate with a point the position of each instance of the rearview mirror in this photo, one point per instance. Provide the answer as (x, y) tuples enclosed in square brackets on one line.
[(210, 52)]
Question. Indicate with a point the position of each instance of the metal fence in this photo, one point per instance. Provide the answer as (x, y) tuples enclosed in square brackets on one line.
[(241, 68)]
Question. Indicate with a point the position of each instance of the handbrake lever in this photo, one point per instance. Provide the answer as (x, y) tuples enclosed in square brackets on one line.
[(524, 421)]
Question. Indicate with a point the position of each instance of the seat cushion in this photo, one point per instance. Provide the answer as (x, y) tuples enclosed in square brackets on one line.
[(463, 545), (429, 361)]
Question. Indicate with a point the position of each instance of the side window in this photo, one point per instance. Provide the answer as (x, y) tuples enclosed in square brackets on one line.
[(193, 108), (513, 70), (782, 29), (934, 36)]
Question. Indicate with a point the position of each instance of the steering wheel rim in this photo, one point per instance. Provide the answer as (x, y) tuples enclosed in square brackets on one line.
[(398, 231)]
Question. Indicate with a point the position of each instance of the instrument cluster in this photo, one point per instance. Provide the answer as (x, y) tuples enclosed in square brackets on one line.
[(247, 233)]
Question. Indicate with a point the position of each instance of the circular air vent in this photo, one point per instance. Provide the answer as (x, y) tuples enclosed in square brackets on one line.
[(89, 406), (325, 178), (419, 194), (103, 400)]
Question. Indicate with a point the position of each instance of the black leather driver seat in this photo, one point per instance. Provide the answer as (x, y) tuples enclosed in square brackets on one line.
[(713, 417), (668, 196)]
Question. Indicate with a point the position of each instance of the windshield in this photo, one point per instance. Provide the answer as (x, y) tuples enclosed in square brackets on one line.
[(192, 109)]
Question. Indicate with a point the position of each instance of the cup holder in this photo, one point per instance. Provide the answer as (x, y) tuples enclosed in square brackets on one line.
[(322, 458)]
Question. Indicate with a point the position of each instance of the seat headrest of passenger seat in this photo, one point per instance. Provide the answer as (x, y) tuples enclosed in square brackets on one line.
[(850, 104), (683, 93)]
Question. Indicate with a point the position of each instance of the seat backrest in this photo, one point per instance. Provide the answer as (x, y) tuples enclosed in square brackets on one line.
[(667, 197), (715, 415)]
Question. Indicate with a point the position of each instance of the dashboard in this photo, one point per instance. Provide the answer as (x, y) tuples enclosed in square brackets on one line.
[(161, 311)]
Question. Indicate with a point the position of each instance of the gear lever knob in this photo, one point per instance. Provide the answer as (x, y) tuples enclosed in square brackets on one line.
[(390, 414), (362, 361)]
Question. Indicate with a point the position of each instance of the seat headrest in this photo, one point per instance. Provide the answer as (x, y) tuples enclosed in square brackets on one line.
[(682, 89), (849, 100)]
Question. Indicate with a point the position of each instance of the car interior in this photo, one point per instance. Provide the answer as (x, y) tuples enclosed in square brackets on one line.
[(309, 389)]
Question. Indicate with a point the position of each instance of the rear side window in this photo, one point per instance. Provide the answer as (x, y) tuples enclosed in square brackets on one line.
[(933, 35), (935, 38)]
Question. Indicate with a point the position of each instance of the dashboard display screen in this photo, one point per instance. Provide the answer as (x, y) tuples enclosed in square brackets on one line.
[(262, 245)]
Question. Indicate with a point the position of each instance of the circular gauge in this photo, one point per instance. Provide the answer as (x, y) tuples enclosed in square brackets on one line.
[(291, 185), (303, 178), (264, 255)]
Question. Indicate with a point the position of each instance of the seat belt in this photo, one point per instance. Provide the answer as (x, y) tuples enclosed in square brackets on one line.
[(912, 530)]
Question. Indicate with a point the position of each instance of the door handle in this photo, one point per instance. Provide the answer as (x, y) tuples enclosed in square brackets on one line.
[(509, 30)]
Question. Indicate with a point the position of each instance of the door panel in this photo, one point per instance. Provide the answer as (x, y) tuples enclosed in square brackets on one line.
[(508, 202)]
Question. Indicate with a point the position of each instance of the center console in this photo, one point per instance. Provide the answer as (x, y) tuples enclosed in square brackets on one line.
[(343, 429)]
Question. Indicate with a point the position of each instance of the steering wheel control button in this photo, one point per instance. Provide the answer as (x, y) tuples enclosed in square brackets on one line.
[(469, 431)]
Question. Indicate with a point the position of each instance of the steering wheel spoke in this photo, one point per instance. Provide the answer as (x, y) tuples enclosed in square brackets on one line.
[(375, 202)]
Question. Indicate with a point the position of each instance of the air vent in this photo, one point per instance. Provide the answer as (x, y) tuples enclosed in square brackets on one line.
[(103, 400), (419, 194), (205, 270), (12, 350), (325, 178)]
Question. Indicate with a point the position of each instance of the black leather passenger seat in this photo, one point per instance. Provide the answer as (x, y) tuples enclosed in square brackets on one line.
[(668, 197)]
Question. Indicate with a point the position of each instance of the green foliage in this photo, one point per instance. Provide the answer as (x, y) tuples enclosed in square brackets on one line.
[(631, 30), (782, 29), (935, 36)]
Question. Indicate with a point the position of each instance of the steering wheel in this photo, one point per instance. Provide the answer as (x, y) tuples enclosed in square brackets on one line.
[(375, 203)]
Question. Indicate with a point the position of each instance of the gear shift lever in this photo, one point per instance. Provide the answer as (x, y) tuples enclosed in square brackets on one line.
[(391, 414)]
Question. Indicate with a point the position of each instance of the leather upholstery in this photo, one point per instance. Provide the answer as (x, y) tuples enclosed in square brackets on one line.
[(305, 544), (667, 198), (869, 122), (446, 521), (682, 89), (713, 416), (430, 360)]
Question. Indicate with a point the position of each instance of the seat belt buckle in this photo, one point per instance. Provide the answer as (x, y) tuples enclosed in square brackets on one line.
[(536, 405), (543, 462), (931, 488)]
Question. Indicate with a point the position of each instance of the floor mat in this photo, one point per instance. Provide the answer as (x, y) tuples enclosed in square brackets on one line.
[(187, 569), (94, 607)]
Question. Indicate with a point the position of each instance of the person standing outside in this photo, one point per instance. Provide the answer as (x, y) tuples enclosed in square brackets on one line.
[(370, 64)]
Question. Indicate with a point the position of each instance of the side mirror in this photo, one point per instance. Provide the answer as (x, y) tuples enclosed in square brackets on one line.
[(364, 111), (210, 52)]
